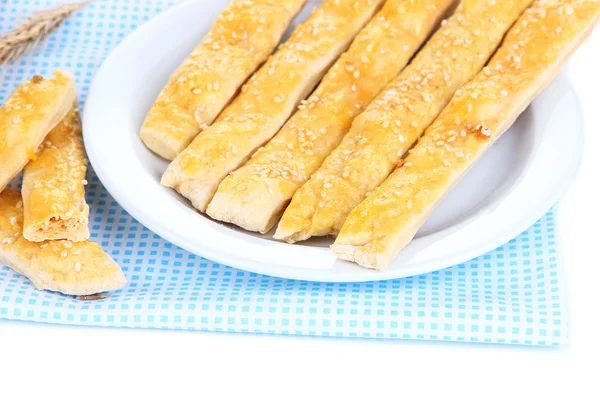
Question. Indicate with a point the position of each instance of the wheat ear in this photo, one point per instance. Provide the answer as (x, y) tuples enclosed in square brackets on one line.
[(28, 35)]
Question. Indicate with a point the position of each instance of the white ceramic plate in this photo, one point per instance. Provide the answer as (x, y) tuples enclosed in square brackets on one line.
[(514, 184)]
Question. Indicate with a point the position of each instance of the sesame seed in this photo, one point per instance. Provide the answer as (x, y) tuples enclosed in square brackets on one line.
[(356, 74), (460, 154), (504, 92), (354, 88), (409, 203), (78, 266), (414, 123), (64, 254), (406, 47), (43, 245), (327, 185)]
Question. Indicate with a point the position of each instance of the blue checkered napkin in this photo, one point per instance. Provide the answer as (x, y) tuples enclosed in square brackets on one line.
[(511, 295)]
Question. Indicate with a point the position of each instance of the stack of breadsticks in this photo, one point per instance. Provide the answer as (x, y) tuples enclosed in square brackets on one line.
[(44, 229), (338, 161)]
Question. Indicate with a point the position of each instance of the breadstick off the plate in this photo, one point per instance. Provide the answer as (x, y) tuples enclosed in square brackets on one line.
[(255, 195), (53, 186), (30, 112), (397, 117), (80, 268), (241, 39), (268, 99), (531, 55)]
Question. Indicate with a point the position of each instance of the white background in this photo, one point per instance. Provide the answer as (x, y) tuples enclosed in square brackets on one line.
[(64, 362)]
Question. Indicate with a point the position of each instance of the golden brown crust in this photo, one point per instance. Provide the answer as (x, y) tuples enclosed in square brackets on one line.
[(80, 268), (267, 100), (397, 117), (31, 111), (531, 55), (53, 186), (240, 40), (255, 195)]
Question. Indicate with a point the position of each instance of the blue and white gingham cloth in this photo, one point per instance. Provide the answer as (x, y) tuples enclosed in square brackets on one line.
[(511, 295)]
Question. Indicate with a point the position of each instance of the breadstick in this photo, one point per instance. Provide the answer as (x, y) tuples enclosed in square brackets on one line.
[(531, 55), (80, 268), (255, 195), (30, 112), (397, 117), (268, 99), (240, 40), (53, 186)]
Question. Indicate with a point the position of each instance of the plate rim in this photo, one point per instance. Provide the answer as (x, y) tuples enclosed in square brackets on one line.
[(311, 274)]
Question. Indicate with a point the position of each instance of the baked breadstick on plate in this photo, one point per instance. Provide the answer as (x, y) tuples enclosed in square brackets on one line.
[(268, 99), (530, 57), (71, 268), (30, 112), (397, 117), (53, 186), (241, 39), (255, 195)]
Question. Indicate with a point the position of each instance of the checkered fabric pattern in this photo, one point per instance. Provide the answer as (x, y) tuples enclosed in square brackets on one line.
[(511, 295)]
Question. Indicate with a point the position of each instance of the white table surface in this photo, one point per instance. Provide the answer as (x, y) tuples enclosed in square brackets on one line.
[(64, 362)]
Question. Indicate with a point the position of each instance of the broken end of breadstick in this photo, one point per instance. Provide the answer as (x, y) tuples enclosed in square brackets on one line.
[(74, 268), (69, 225)]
